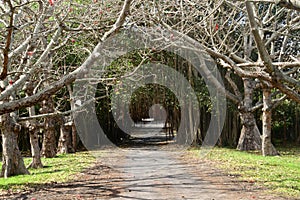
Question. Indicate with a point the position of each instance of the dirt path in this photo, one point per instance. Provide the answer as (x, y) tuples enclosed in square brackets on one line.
[(156, 173), (148, 172)]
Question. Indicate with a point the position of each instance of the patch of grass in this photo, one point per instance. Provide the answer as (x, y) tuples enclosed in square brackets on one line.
[(59, 169), (281, 174)]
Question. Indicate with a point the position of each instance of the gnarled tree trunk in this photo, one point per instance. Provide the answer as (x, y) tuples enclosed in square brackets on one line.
[(12, 161), (250, 138)]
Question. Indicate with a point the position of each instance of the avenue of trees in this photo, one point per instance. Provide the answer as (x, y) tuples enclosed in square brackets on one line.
[(46, 44)]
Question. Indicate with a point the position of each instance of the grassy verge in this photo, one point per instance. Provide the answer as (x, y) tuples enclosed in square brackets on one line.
[(279, 174), (59, 169)]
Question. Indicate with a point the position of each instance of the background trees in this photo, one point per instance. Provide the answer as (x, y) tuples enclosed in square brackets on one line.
[(256, 41)]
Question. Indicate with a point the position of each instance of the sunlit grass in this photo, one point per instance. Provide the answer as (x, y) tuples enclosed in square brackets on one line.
[(281, 174), (59, 169)]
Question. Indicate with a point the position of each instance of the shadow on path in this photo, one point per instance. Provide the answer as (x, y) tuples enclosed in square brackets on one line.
[(148, 167)]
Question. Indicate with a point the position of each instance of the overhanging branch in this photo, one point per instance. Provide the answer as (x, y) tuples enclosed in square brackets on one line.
[(68, 79)]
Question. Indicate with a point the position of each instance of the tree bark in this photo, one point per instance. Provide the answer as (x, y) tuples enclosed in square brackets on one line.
[(267, 147), (35, 149), (250, 136), (64, 142), (12, 161), (49, 140), (33, 132)]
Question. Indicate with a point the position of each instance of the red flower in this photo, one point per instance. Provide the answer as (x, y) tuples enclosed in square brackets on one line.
[(217, 27), (30, 53), (51, 2), (10, 82), (172, 36)]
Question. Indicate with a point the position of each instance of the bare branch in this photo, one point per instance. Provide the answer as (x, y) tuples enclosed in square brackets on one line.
[(120, 21), (10, 30), (67, 79), (290, 4)]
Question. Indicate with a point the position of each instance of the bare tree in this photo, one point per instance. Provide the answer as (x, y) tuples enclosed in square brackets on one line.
[(256, 41), (36, 34)]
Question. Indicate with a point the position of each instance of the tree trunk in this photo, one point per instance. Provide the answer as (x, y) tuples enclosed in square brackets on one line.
[(64, 142), (12, 161), (181, 133), (192, 131), (49, 140), (235, 129), (74, 137), (74, 132), (34, 142), (49, 143), (35, 149), (33, 132), (250, 136), (267, 146)]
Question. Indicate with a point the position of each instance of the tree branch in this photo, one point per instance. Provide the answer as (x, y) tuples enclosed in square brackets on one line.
[(68, 79), (290, 4), (233, 85), (120, 21), (8, 43), (264, 55)]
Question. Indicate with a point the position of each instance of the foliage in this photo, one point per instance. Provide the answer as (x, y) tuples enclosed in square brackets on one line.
[(286, 121)]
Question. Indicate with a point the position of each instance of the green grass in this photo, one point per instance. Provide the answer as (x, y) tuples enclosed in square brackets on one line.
[(59, 169), (281, 174)]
